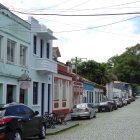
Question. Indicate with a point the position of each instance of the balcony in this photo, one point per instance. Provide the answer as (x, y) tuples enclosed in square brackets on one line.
[(44, 65)]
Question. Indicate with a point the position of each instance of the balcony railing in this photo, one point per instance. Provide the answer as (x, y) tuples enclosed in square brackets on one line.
[(46, 65)]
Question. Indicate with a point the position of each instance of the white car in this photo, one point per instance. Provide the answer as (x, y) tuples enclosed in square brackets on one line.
[(83, 110), (138, 96)]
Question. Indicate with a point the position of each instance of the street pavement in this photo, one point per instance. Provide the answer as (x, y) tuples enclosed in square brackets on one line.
[(122, 124)]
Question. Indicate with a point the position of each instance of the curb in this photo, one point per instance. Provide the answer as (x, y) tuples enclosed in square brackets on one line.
[(58, 131)]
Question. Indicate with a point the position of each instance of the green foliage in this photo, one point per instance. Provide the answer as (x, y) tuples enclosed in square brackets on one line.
[(127, 65), (93, 71), (124, 67)]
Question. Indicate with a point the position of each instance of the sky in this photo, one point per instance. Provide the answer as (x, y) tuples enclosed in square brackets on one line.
[(91, 35)]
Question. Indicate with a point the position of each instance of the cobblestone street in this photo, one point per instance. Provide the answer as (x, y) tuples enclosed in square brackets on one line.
[(122, 124)]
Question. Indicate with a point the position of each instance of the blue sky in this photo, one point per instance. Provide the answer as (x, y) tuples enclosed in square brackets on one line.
[(73, 40)]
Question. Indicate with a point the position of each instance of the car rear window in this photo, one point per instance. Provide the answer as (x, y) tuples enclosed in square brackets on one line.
[(80, 106)]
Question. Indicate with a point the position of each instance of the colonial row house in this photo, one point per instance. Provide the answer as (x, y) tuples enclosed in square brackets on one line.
[(70, 88), (77, 92), (14, 56), (42, 67), (93, 92), (118, 89), (26, 62), (62, 85)]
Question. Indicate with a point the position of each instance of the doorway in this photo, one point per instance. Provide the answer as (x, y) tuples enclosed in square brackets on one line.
[(42, 97), (49, 97)]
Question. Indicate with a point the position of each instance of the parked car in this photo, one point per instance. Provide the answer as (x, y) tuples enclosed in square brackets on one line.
[(124, 101), (138, 96), (17, 121), (132, 98), (128, 101), (105, 106), (114, 103), (83, 110), (118, 101)]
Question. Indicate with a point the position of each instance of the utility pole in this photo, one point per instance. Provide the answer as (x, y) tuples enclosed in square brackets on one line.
[(76, 63)]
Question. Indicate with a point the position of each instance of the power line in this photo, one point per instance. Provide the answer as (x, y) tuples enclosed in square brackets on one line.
[(84, 9), (80, 29), (100, 25), (79, 15), (117, 34), (79, 4)]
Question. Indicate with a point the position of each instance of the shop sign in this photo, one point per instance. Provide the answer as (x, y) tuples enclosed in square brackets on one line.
[(24, 84)]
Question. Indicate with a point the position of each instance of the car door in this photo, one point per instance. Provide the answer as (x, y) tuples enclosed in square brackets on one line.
[(33, 121), (21, 120), (24, 121)]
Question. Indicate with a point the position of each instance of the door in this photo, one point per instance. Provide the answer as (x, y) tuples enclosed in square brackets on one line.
[(10, 89), (22, 96), (42, 98), (49, 97)]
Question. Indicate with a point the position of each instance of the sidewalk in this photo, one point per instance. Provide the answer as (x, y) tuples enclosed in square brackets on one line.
[(62, 127)]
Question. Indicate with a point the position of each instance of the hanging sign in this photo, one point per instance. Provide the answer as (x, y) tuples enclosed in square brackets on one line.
[(24, 84)]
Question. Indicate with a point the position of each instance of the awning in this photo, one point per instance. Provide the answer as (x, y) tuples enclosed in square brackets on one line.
[(46, 35)]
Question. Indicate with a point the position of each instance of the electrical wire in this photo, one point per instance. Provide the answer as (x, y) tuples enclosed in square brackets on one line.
[(100, 8), (80, 15), (90, 28), (100, 25)]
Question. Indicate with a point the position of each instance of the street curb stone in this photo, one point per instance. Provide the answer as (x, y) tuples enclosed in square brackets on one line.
[(61, 128)]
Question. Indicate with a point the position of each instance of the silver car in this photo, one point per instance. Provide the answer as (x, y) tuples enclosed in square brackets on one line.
[(83, 110)]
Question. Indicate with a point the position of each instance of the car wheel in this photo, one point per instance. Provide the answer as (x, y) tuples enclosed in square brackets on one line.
[(72, 118), (94, 115), (109, 109), (112, 108), (42, 132), (17, 136), (90, 116)]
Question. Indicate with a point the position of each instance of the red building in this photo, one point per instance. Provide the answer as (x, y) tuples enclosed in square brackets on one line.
[(77, 89), (62, 86)]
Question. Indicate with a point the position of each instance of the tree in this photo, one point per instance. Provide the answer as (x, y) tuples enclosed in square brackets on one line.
[(93, 71), (127, 65)]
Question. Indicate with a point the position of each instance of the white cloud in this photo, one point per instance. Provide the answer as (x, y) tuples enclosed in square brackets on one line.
[(99, 44)]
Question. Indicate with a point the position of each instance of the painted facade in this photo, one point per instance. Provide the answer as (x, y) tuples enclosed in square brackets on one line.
[(77, 89), (99, 94), (118, 89), (88, 91), (42, 67), (62, 85), (14, 48)]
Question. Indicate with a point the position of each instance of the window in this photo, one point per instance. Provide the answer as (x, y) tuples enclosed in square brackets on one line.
[(28, 111), (11, 45), (0, 47), (56, 88), (10, 90), (48, 51), (35, 44), (35, 93), (41, 48), (22, 95), (13, 110), (23, 54), (64, 89)]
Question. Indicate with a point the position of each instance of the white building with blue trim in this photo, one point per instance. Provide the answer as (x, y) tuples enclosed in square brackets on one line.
[(42, 67)]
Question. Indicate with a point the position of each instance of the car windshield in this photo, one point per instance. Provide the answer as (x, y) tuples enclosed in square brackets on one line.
[(80, 106)]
